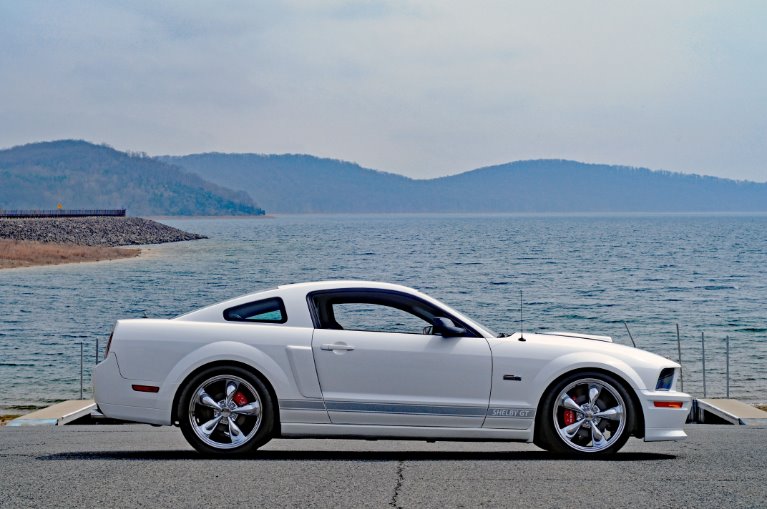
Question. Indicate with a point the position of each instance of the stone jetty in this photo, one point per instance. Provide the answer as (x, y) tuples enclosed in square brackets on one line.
[(93, 231)]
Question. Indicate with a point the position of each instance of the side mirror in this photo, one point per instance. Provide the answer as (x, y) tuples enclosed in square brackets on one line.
[(447, 328)]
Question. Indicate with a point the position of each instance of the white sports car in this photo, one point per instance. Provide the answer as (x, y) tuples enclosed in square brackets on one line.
[(357, 359)]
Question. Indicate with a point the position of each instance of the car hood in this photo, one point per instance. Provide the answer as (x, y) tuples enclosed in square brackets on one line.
[(541, 350), (576, 342), (606, 339)]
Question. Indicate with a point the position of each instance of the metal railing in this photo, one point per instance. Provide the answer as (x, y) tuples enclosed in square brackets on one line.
[(62, 213), (703, 362)]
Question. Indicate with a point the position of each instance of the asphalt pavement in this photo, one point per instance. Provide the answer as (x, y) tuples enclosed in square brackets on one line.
[(142, 466)]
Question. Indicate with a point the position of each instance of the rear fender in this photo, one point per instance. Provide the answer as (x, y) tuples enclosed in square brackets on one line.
[(221, 351)]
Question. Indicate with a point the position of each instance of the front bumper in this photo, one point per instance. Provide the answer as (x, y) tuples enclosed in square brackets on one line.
[(663, 423)]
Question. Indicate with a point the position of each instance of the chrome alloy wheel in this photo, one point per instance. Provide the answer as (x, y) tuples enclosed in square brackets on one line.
[(225, 411), (589, 415)]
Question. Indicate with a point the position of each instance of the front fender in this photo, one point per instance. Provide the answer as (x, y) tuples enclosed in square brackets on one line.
[(584, 360)]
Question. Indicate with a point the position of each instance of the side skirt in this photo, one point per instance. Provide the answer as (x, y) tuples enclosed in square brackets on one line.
[(302, 430)]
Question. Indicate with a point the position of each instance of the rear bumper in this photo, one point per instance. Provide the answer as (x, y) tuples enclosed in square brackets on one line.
[(662, 423), (116, 399)]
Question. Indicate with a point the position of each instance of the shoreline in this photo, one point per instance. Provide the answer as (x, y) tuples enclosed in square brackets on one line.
[(35, 242), (182, 218), (16, 254), (5, 419)]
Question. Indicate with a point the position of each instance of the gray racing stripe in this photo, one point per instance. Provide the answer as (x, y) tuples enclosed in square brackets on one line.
[(301, 404), (405, 408)]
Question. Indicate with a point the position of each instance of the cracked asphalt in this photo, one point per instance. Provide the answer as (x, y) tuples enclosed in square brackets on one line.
[(141, 466)]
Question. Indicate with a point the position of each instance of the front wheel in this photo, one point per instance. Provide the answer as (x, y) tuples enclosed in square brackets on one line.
[(586, 414), (226, 411)]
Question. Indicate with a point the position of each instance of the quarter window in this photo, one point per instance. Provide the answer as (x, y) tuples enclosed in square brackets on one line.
[(262, 311)]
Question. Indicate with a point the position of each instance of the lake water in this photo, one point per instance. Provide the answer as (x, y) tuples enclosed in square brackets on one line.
[(579, 273)]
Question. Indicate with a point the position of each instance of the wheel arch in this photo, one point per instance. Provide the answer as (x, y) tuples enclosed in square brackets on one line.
[(639, 423), (225, 363)]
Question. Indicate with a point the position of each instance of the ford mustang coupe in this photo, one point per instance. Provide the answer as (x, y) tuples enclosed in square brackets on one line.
[(356, 359)]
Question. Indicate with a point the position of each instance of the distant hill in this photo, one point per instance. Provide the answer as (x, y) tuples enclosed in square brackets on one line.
[(301, 183), (79, 174), (304, 184)]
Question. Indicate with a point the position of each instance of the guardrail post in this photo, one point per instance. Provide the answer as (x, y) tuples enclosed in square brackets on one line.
[(727, 342), (679, 350), (81, 370), (703, 356)]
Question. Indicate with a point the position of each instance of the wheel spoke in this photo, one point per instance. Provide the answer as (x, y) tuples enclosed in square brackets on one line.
[(594, 391), (568, 403), (235, 434), (206, 400), (571, 430), (614, 413), (249, 409), (231, 388), (597, 438), (209, 426)]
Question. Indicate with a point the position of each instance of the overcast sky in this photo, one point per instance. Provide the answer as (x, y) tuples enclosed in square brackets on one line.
[(419, 88)]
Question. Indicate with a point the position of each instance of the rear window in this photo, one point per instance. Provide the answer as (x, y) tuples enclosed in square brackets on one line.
[(262, 311)]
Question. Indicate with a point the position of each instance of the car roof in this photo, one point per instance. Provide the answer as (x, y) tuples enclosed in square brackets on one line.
[(331, 284), (295, 296)]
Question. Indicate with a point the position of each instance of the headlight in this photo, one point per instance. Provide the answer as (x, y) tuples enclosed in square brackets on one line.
[(665, 380)]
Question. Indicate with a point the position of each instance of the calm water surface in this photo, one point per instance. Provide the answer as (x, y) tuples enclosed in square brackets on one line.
[(584, 273)]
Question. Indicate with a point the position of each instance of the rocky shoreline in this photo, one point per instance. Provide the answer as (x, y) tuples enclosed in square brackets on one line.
[(93, 231)]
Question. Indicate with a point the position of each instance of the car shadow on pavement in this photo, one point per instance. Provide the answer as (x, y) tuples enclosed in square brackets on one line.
[(370, 456)]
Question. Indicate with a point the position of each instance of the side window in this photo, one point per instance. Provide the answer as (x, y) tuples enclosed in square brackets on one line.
[(374, 310), (377, 318), (262, 311)]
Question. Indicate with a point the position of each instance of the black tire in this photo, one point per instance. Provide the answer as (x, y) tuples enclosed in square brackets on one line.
[(236, 432), (538, 440), (602, 419)]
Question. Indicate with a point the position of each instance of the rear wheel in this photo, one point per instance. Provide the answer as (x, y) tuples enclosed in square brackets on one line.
[(226, 411), (586, 414)]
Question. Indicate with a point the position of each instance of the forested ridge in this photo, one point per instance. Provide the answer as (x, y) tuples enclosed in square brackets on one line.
[(79, 174), (307, 184)]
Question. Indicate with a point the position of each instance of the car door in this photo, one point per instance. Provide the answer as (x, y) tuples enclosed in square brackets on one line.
[(379, 364)]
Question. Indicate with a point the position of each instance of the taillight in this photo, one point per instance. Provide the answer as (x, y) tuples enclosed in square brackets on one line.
[(109, 343), (145, 388)]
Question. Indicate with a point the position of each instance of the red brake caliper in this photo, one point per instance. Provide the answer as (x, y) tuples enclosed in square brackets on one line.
[(569, 417), (240, 399)]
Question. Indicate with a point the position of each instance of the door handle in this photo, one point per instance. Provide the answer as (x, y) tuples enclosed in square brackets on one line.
[(336, 346)]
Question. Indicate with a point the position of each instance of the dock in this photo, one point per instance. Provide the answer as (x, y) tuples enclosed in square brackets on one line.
[(731, 411), (57, 415)]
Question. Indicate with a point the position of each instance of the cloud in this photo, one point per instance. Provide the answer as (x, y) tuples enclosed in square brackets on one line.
[(421, 88)]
